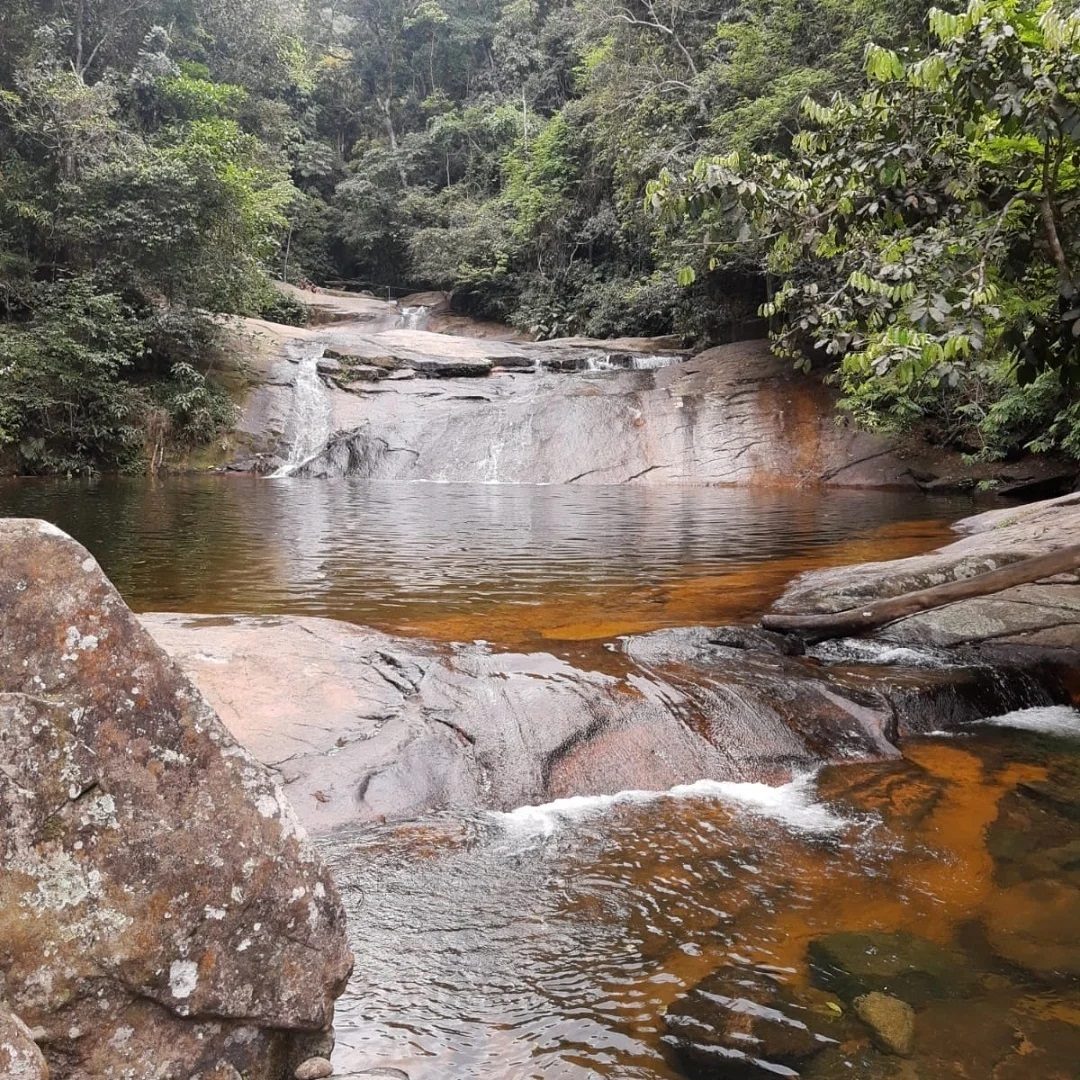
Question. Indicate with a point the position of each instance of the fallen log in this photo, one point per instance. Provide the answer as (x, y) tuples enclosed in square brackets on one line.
[(860, 620)]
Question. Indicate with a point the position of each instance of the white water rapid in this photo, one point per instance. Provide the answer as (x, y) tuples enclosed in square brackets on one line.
[(413, 318), (793, 805), (308, 428)]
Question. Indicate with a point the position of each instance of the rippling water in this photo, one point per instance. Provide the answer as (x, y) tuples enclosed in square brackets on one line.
[(504, 563), (549, 944)]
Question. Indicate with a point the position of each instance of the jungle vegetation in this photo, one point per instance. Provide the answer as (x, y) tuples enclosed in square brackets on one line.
[(871, 177)]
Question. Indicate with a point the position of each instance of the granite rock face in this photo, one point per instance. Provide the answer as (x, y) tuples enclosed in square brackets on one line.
[(410, 404), (362, 725), (162, 914), (1038, 621), (732, 415), (20, 1058)]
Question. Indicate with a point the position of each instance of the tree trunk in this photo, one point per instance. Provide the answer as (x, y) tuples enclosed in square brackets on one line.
[(391, 134), (860, 620)]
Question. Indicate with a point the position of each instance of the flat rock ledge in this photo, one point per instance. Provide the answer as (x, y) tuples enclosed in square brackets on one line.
[(362, 726), (163, 915), (1033, 623)]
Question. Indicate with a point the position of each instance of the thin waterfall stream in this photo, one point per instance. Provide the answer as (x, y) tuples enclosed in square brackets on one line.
[(308, 427)]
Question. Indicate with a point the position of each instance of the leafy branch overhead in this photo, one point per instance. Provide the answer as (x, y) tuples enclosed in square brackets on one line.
[(922, 237)]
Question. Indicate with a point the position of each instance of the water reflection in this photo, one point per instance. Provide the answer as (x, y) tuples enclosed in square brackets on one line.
[(488, 950), (503, 563)]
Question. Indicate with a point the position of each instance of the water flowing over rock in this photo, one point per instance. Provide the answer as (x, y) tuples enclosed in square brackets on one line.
[(363, 726), (309, 421), (742, 1023), (410, 404), (733, 415), (162, 914)]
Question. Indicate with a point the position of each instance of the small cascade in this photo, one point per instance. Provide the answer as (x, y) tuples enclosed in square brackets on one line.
[(413, 318), (601, 360), (1060, 720), (793, 805), (308, 427)]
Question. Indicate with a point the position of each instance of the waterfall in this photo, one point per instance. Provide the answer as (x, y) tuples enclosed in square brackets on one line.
[(608, 361), (413, 318), (308, 428)]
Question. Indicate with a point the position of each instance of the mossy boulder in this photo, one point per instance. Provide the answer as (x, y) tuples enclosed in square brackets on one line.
[(903, 965)]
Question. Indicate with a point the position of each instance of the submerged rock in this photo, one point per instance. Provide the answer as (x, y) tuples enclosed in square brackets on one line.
[(891, 1020), (899, 964), (744, 1024), (1033, 925), (159, 901)]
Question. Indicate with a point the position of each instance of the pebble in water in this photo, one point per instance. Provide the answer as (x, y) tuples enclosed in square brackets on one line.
[(316, 1068)]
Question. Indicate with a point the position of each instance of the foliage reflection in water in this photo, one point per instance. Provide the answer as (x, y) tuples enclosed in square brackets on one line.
[(549, 944), (514, 565)]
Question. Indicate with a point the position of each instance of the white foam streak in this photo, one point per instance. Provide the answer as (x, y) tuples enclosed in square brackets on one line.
[(1047, 719), (308, 427), (792, 805)]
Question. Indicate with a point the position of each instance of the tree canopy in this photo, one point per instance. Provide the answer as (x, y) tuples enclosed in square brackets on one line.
[(882, 183), (923, 235)]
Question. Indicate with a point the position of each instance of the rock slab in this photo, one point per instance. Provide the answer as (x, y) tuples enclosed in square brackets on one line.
[(162, 913), (363, 726), (1040, 621)]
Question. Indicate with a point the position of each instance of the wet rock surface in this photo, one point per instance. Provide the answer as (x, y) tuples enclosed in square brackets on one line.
[(1040, 621), (162, 913), (731, 415), (413, 404), (891, 1020), (744, 1024), (1034, 926), (361, 725), (900, 964)]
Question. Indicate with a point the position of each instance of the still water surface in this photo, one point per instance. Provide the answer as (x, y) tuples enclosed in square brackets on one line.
[(510, 564)]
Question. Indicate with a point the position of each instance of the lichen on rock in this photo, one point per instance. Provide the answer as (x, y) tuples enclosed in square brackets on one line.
[(140, 847)]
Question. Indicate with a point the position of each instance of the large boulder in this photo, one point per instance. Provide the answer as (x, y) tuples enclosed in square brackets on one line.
[(162, 913), (20, 1057)]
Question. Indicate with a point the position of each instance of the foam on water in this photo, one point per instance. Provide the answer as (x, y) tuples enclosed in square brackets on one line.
[(1047, 719), (857, 650), (792, 805), (308, 427)]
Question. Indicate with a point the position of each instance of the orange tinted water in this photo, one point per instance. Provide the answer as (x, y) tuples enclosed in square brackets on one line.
[(486, 948), (520, 567)]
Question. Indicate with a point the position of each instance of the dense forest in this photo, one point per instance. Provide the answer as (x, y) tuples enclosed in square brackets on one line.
[(896, 191)]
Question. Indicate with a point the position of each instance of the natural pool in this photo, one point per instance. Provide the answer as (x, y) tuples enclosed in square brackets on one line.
[(510, 564), (550, 943)]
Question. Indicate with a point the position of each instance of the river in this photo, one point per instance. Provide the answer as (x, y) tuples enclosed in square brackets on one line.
[(547, 943)]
